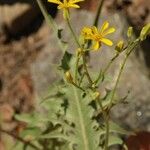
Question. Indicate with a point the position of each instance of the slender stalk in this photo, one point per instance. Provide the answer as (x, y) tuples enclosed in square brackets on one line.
[(86, 70), (106, 68), (78, 87), (128, 52), (109, 64), (83, 56), (76, 68), (73, 33), (81, 79), (50, 22), (98, 13), (106, 117), (19, 139), (78, 44)]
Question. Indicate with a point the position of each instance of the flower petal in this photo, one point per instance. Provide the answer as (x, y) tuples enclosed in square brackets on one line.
[(110, 30), (107, 41), (75, 1), (96, 45), (74, 5), (55, 1), (104, 27)]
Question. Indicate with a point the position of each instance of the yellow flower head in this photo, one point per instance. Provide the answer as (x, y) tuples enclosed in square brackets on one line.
[(98, 36), (65, 5)]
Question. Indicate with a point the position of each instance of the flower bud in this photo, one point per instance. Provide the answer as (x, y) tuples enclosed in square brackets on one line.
[(145, 32), (96, 95), (120, 45), (130, 32), (79, 52), (68, 77)]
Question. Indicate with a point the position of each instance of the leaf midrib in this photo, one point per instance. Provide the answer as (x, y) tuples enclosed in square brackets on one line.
[(81, 121)]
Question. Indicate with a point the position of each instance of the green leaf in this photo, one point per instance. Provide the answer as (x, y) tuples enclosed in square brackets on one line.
[(114, 140), (107, 98), (65, 62), (32, 119), (54, 135), (80, 113), (32, 132), (117, 129)]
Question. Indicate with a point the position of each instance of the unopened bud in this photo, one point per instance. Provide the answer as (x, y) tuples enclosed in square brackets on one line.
[(79, 51), (130, 32), (119, 47), (68, 77), (96, 95), (145, 32), (29, 138)]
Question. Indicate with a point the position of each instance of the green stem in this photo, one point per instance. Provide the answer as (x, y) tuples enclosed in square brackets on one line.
[(50, 22), (78, 87), (78, 44), (76, 68), (83, 56), (73, 33), (82, 77), (86, 69), (128, 52), (109, 64), (106, 69), (98, 13)]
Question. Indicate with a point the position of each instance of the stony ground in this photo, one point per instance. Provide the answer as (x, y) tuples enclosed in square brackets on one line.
[(28, 52)]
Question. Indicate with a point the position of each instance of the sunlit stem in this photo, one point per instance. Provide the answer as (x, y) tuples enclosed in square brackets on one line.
[(76, 68), (129, 49), (86, 69), (78, 44), (50, 22), (73, 33), (83, 56), (101, 74)]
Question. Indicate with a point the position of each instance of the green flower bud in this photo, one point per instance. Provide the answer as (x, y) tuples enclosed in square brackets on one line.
[(96, 95), (130, 32), (120, 45), (145, 32), (69, 77)]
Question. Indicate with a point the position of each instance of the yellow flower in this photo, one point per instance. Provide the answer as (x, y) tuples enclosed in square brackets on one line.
[(98, 36), (65, 5)]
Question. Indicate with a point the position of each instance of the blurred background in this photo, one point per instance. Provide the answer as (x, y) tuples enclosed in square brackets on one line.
[(29, 54)]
